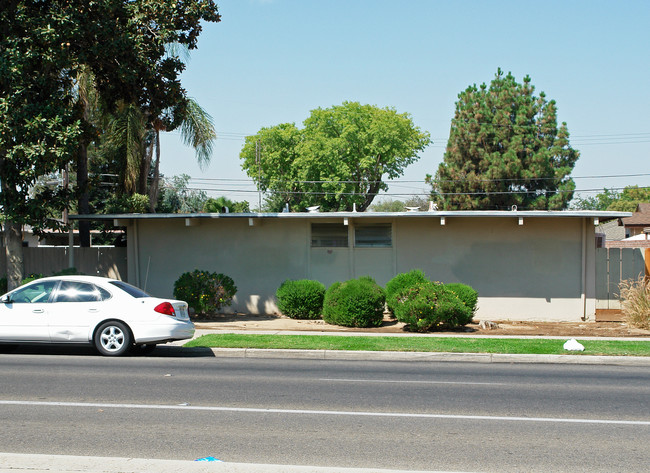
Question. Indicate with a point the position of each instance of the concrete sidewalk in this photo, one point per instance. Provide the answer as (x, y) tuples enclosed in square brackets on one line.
[(13, 462)]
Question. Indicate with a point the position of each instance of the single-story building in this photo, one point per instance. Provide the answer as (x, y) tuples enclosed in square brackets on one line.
[(525, 265)]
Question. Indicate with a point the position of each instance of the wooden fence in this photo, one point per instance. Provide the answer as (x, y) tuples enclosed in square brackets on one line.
[(95, 261), (614, 265)]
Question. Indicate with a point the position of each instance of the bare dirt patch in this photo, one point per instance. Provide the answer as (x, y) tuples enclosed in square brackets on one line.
[(256, 322)]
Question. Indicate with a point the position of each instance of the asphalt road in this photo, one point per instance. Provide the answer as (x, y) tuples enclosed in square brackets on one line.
[(418, 416)]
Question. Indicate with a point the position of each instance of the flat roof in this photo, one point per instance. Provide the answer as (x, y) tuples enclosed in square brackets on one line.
[(605, 215)]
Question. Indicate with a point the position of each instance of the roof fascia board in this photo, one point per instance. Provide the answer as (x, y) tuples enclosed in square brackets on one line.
[(357, 215)]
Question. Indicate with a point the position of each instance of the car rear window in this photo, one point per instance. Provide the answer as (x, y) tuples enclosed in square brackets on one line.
[(130, 290)]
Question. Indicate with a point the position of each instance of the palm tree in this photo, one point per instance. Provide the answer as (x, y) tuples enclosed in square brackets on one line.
[(132, 139), (125, 144), (197, 130)]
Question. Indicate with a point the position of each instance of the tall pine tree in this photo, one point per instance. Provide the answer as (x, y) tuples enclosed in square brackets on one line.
[(505, 149)]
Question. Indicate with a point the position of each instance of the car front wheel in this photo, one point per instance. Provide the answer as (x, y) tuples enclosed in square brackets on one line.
[(112, 339)]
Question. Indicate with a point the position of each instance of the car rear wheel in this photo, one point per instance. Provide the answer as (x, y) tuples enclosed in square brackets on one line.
[(112, 339)]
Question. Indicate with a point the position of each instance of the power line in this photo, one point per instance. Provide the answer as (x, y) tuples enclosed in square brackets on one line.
[(581, 140), (510, 192), (244, 181)]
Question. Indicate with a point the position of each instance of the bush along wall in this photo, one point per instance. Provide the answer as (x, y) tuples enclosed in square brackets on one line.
[(401, 282), (354, 303), (302, 299), (205, 292), (465, 293), (431, 305)]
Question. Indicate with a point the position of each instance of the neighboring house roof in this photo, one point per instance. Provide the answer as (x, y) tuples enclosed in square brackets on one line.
[(612, 230), (640, 218)]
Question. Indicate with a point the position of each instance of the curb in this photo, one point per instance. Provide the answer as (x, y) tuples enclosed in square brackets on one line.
[(13, 462), (344, 355)]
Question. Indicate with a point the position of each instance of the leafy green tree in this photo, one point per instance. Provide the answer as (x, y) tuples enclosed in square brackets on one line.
[(177, 197), (338, 159), (124, 50), (625, 201), (44, 45), (401, 206), (388, 205), (505, 148), (630, 198), (38, 126), (600, 201), (122, 203), (218, 205)]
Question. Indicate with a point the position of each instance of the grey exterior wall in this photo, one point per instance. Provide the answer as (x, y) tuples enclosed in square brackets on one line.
[(541, 270)]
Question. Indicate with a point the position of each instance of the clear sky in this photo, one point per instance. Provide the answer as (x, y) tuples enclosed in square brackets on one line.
[(273, 61)]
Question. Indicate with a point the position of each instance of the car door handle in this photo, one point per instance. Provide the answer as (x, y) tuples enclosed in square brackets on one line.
[(38, 311), (93, 310)]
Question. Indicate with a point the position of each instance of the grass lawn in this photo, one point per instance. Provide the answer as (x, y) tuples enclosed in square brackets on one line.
[(421, 344)]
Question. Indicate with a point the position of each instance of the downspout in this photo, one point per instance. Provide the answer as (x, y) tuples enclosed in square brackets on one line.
[(584, 269), (136, 252)]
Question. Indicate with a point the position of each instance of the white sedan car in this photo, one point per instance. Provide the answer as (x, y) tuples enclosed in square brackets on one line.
[(109, 314)]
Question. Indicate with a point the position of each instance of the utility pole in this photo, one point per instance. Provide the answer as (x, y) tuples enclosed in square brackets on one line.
[(258, 160)]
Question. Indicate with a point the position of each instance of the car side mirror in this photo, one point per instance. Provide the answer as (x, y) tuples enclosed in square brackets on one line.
[(6, 299)]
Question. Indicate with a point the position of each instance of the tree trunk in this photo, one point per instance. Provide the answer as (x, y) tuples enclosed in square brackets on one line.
[(12, 231), (153, 190), (14, 254), (370, 195), (82, 189), (145, 168)]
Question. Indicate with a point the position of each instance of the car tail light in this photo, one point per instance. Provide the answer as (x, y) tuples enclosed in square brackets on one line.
[(165, 308)]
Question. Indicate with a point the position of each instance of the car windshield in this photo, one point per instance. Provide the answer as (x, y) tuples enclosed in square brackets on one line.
[(32, 293), (130, 290)]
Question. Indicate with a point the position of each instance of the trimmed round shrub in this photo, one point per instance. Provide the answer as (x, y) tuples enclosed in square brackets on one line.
[(400, 282), (205, 292), (354, 303), (428, 306), (465, 293), (302, 299)]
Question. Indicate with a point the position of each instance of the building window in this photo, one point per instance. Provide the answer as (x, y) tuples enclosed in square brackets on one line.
[(373, 236), (329, 235)]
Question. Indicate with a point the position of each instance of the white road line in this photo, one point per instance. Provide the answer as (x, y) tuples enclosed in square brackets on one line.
[(319, 412), (396, 381)]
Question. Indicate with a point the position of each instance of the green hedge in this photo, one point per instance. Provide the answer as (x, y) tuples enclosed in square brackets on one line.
[(354, 303), (302, 299), (465, 293), (401, 282), (429, 306), (205, 292)]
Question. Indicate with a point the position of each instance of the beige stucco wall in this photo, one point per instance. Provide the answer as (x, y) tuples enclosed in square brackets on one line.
[(532, 271), (524, 272), (258, 257)]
